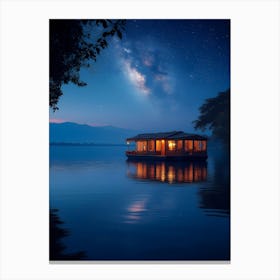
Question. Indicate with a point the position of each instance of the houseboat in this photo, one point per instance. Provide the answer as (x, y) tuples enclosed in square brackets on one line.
[(175, 145)]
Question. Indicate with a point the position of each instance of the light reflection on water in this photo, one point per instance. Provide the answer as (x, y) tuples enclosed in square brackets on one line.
[(168, 172), (135, 210), (119, 210)]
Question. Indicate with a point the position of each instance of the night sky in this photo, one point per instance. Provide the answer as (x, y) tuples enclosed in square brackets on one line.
[(154, 79)]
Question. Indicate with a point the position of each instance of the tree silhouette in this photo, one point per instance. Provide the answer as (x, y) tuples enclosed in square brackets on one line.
[(56, 246), (72, 46), (215, 115)]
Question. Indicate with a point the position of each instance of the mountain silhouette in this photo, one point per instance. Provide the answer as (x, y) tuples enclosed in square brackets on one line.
[(69, 132)]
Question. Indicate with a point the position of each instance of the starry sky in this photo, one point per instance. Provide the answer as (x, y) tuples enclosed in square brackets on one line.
[(154, 79)]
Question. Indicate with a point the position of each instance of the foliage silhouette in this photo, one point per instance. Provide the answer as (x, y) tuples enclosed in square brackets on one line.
[(215, 115), (56, 247), (215, 197), (72, 46)]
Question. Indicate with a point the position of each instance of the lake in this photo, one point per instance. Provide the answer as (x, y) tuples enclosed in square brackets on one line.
[(103, 207)]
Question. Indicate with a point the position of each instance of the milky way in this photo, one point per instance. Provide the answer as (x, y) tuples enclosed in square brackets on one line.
[(155, 78)]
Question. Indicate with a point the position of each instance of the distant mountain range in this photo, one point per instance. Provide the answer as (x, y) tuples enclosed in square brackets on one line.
[(69, 132)]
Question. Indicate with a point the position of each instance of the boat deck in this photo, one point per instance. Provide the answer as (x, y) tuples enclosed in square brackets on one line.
[(168, 156)]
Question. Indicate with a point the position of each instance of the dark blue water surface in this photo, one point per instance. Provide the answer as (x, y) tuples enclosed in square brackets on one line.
[(111, 209)]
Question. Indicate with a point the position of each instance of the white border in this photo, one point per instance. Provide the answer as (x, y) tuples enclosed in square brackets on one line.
[(255, 138)]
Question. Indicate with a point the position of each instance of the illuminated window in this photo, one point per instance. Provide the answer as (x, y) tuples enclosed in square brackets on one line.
[(151, 145), (179, 145), (196, 145), (203, 145), (141, 146), (199, 145), (171, 145), (158, 145), (188, 145)]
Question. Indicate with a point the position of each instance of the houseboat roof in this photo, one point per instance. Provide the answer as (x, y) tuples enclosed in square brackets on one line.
[(172, 135)]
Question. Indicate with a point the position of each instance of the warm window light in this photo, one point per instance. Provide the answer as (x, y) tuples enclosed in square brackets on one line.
[(171, 145)]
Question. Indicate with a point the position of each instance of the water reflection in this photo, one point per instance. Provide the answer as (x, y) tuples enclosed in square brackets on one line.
[(168, 172), (136, 210), (215, 196)]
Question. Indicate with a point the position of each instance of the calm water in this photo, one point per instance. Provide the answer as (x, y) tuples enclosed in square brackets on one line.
[(111, 209)]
